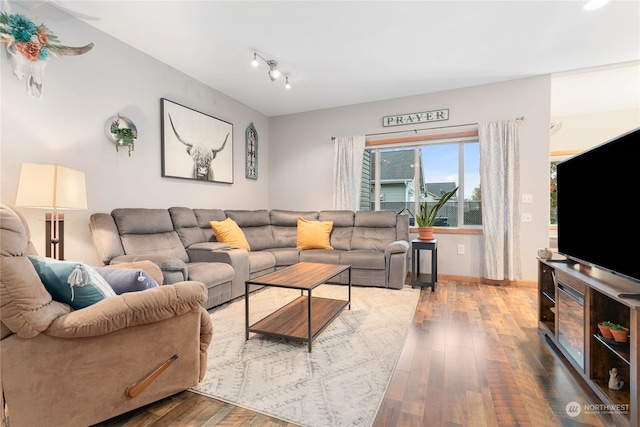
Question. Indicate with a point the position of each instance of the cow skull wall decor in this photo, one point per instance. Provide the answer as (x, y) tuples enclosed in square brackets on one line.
[(31, 47)]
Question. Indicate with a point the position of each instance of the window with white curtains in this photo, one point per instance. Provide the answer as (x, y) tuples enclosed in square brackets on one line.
[(397, 176)]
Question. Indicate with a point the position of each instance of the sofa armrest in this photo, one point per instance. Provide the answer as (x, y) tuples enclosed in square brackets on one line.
[(206, 334), (234, 256), (396, 254), (168, 264), (129, 309), (397, 247), (208, 246)]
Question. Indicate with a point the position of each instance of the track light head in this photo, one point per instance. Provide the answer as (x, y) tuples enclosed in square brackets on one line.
[(273, 70)]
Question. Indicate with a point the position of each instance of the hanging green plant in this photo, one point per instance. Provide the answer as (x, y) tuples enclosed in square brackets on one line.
[(125, 137), (122, 132)]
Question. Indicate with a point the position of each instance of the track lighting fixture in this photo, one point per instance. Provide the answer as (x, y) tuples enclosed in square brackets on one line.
[(273, 72)]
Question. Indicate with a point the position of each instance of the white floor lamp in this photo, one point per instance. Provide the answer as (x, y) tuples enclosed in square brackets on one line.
[(52, 187)]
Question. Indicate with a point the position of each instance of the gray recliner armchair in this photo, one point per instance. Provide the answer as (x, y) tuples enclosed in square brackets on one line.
[(65, 367)]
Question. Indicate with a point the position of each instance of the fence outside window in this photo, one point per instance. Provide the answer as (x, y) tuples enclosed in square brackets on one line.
[(447, 216)]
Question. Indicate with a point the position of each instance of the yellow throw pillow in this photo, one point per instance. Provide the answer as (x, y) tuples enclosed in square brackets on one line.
[(228, 231), (313, 234)]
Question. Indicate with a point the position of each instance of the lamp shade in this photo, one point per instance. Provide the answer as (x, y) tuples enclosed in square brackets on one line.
[(51, 186)]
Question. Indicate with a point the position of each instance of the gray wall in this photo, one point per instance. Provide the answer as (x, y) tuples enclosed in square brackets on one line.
[(66, 127), (301, 147)]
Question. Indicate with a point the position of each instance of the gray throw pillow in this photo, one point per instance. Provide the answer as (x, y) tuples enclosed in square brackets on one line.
[(127, 280)]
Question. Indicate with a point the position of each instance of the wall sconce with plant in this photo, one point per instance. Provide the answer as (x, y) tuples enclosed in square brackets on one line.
[(122, 132)]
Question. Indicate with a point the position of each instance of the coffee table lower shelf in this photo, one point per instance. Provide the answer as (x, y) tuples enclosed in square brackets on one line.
[(293, 321)]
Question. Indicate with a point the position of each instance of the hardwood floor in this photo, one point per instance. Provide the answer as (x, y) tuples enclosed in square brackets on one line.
[(473, 357)]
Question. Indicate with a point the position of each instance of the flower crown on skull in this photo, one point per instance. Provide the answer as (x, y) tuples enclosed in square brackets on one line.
[(34, 42)]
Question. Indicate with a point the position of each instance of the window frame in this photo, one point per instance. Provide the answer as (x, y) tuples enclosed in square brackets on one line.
[(557, 157), (459, 138)]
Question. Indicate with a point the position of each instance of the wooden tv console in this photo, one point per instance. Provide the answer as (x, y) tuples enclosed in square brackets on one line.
[(599, 290)]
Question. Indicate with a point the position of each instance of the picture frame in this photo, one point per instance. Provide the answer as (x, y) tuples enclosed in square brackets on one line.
[(251, 152), (195, 145)]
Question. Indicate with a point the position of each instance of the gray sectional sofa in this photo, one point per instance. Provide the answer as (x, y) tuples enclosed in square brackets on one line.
[(181, 242)]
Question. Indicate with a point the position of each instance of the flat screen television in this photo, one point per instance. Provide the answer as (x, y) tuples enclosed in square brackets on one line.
[(597, 206)]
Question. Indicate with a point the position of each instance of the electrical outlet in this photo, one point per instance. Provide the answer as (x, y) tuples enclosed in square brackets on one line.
[(460, 249), (527, 198), (527, 217)]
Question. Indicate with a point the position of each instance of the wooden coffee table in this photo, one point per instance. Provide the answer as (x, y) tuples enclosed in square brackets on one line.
[(305, 317)]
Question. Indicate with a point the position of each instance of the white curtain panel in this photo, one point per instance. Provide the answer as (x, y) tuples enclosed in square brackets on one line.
[(347, 172), (500, 178)]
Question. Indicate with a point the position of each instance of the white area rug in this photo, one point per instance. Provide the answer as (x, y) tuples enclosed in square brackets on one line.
[(341, 383)]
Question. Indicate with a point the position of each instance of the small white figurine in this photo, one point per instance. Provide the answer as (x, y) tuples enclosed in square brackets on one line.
[(614, 382)]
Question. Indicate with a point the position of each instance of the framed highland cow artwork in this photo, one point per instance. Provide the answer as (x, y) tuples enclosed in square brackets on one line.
[(195, 145)]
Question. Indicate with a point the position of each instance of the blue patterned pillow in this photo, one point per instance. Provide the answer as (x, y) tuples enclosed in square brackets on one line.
[(55, 275)]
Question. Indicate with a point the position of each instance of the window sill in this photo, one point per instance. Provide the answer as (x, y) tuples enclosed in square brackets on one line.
[(450, 230)]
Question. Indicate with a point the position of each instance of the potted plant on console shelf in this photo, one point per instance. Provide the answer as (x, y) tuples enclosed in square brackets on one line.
[(620, 333), (605, 329), (426, 218)]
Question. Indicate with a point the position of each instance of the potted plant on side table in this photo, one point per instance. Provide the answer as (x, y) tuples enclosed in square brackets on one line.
[(427, 216)]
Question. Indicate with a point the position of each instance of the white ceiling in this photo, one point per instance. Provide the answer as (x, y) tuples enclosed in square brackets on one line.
[(347, 52), (607, 88)]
